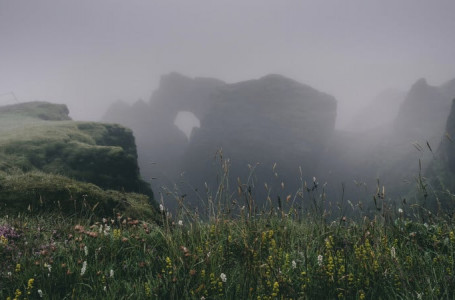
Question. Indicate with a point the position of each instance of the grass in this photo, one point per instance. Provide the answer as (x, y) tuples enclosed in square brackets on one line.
[(234, 251)]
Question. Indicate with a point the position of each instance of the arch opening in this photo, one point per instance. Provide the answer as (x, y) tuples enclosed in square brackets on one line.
[(186, 121)]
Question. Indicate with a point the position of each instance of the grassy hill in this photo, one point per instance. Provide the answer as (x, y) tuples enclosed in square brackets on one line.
[(45, 157)]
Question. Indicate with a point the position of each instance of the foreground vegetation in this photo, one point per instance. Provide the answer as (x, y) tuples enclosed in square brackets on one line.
[(246, 255)]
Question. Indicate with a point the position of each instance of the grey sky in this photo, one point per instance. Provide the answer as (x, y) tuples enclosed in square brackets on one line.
[(88, 53)]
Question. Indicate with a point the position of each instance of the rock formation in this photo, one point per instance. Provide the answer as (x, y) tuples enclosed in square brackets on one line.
[(423, 114), (269, 120)]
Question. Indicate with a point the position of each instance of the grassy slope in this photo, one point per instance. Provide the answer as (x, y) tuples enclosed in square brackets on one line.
[(47, 158)]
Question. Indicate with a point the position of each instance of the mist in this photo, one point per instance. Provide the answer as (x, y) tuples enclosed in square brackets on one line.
[(89, 54)]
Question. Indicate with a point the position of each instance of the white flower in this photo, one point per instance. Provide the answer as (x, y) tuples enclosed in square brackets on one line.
[(40, 293), (105, 288), (223, 277), (111, 273), (393, 252), (86, 250), (49, 267), (84, 268), (419, 296), (400, 211), (320, 260), (294, 264), (107, 229), (180, 223), (9, 274), (161, 208)]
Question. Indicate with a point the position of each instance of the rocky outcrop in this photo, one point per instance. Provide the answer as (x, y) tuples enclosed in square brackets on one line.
[(269, 120), (161, 144), (447, 147), (424, 112)]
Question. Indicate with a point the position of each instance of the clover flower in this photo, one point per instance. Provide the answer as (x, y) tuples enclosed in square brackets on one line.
[(320, 258), (40, 293), (393, 252), (84, 268), (294, 264), (223, 277)]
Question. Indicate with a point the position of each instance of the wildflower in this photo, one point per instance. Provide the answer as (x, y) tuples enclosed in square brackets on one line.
[(30, 285), (294, 264), (393, 252), (147, 289), (276, 289), (40, 293), (161, 208), (9, 274), (320, 260), (18, 268), (107, 229), (86, 250), (111, 273), (84, 268), (223, 277), (180, 223), (400, 211), (419, 296), (3, 240), (117, 233)]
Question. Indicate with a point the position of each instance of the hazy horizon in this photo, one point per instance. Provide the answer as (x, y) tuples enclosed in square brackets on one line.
[(89, 54)]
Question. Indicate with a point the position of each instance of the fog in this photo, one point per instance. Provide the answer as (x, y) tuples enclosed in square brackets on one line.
[(89, 54)]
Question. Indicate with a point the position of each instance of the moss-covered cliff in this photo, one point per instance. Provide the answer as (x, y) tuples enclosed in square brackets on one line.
[(40, 137)]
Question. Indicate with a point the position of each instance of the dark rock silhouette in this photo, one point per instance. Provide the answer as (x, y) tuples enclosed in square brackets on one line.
[(269, 120), (448, 142), (424, 112)]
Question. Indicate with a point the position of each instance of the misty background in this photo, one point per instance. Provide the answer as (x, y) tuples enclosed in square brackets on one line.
[(89, 54)]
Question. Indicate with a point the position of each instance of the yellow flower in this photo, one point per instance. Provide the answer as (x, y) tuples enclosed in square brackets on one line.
[(3, 240), (30, 285), (276, 289), (18, 267)]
